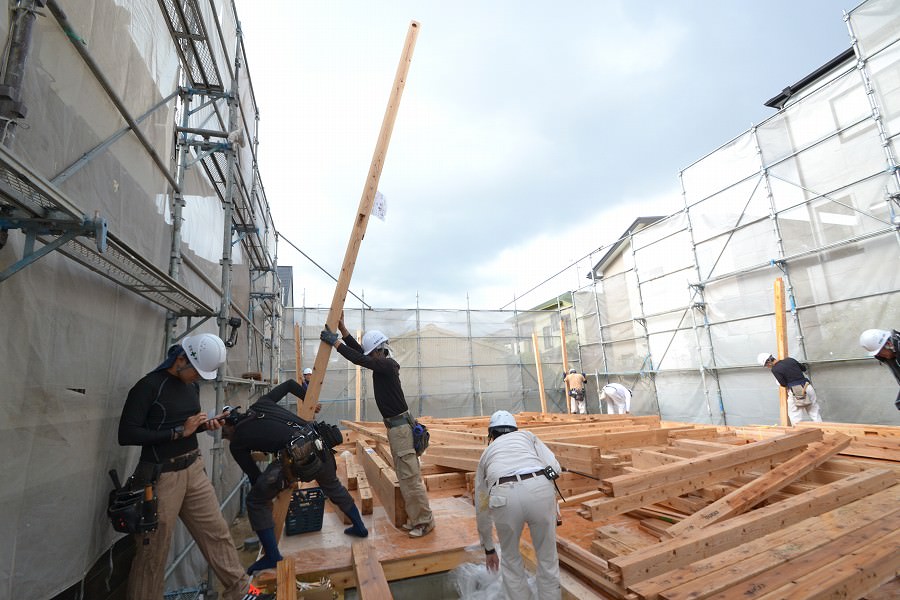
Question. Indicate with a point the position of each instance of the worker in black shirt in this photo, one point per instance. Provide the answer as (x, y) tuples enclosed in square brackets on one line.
[(268, 427), (162, 415), (802, 404), (374, 354), (882, 345)]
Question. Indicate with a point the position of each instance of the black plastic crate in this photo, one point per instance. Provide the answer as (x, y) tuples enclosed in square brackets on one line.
[(305, 511)]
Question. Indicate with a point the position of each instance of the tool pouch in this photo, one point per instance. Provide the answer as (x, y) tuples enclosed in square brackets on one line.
[(421, 437), (801, 400), (132, 508)]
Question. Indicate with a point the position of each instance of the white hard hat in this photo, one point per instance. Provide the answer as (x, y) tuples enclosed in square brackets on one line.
[(873, 340), (572, 371), (502, 418), (307, 371), (763, 357), (372, 340), (206, 353)]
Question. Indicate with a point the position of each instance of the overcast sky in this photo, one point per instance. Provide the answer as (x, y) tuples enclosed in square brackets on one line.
[(530, 133)]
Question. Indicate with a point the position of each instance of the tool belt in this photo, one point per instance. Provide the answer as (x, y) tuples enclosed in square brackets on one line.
[(179, 463), (798, 391), (398, 420), (300, 460), (523, 477)]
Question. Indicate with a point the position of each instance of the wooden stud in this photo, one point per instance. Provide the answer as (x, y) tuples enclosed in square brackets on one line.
[(360, 221), (782, 346), (540, 371)]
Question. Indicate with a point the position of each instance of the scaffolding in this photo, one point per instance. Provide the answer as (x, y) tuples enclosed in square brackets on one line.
[(129, 163), (678, 307)]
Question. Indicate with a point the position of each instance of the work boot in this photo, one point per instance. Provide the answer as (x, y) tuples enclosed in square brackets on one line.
[(270, 548), (358, 528), (421, 530)]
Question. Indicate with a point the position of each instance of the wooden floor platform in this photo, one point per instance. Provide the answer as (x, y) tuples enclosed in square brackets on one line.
[(652, 510)]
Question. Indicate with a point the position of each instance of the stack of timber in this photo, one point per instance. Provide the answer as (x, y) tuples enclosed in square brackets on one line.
[(652, 509)]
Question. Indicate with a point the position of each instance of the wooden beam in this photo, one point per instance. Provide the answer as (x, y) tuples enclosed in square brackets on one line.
[(371, 582), (746, 497), (728, 534), (360, 221), (286, 579), (540, 371), (634, 482), (384, 481), (374, 431), (298, 354), (782, 345), (711, 576)]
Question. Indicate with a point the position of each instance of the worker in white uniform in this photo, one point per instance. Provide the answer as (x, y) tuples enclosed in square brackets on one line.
[(618, 398), (513, 487)]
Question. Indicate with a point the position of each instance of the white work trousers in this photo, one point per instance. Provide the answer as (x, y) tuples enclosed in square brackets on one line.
[(807, 413), (531, 501), (577, 403), (615, 407)]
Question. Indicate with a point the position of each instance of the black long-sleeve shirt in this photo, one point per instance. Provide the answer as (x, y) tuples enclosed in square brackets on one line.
[(385, 377), (158, 403), (789, 372), (894, 363), (266, 429)]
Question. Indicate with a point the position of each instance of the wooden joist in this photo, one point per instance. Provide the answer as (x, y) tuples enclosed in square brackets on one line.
[(383, 480), (704, 543), (606, 506), (635, 482), (371, 582), (286, 579), (751, 494)]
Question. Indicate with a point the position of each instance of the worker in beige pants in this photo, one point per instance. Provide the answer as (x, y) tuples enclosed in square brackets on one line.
[(187, 494), (409, 476), (512, 489)]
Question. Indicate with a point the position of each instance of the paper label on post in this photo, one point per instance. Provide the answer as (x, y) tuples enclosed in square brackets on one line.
[(379, 208)]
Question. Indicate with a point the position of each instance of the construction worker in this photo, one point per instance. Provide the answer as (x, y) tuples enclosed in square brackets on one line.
[(575, 382), (801, 398), (513, 487), (307, 375), (268, 427), (882, 345), (618, 398), (375, 354), (162, 415)]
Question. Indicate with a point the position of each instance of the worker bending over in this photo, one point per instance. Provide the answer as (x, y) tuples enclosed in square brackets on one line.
[(883, 345), (375, 354), (575, 382), (790, 374), (618, 398), (268, 427), (512, 488)]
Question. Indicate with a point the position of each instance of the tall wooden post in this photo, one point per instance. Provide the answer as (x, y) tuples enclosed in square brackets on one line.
[(298, 354), (358, 385), (781, 345), (359, 223), (565, 358), (540, 371)]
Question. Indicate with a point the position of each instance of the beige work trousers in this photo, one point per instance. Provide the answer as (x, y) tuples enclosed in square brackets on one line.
[(409, 475), (187, 494), (531, 501)]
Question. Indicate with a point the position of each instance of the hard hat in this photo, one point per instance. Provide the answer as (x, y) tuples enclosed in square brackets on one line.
[(502, 418), (763, 358), (307, 371), (206, 353), (572, 371), (372, 340), (873, 340)]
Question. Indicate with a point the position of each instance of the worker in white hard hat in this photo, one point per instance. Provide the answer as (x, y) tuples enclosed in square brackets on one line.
[(514, 486), (802, 404), (375, 354), (162, 415), (575, 383), (304, 385), (618, 398), (882, 345)]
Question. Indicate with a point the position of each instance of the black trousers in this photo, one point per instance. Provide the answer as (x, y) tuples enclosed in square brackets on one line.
[(272, 481)]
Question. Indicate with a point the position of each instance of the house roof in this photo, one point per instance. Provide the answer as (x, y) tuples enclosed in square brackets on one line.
[(781, 99), (637, 225)]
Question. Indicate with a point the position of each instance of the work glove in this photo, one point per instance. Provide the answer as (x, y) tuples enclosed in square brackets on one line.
[(329, 337)]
